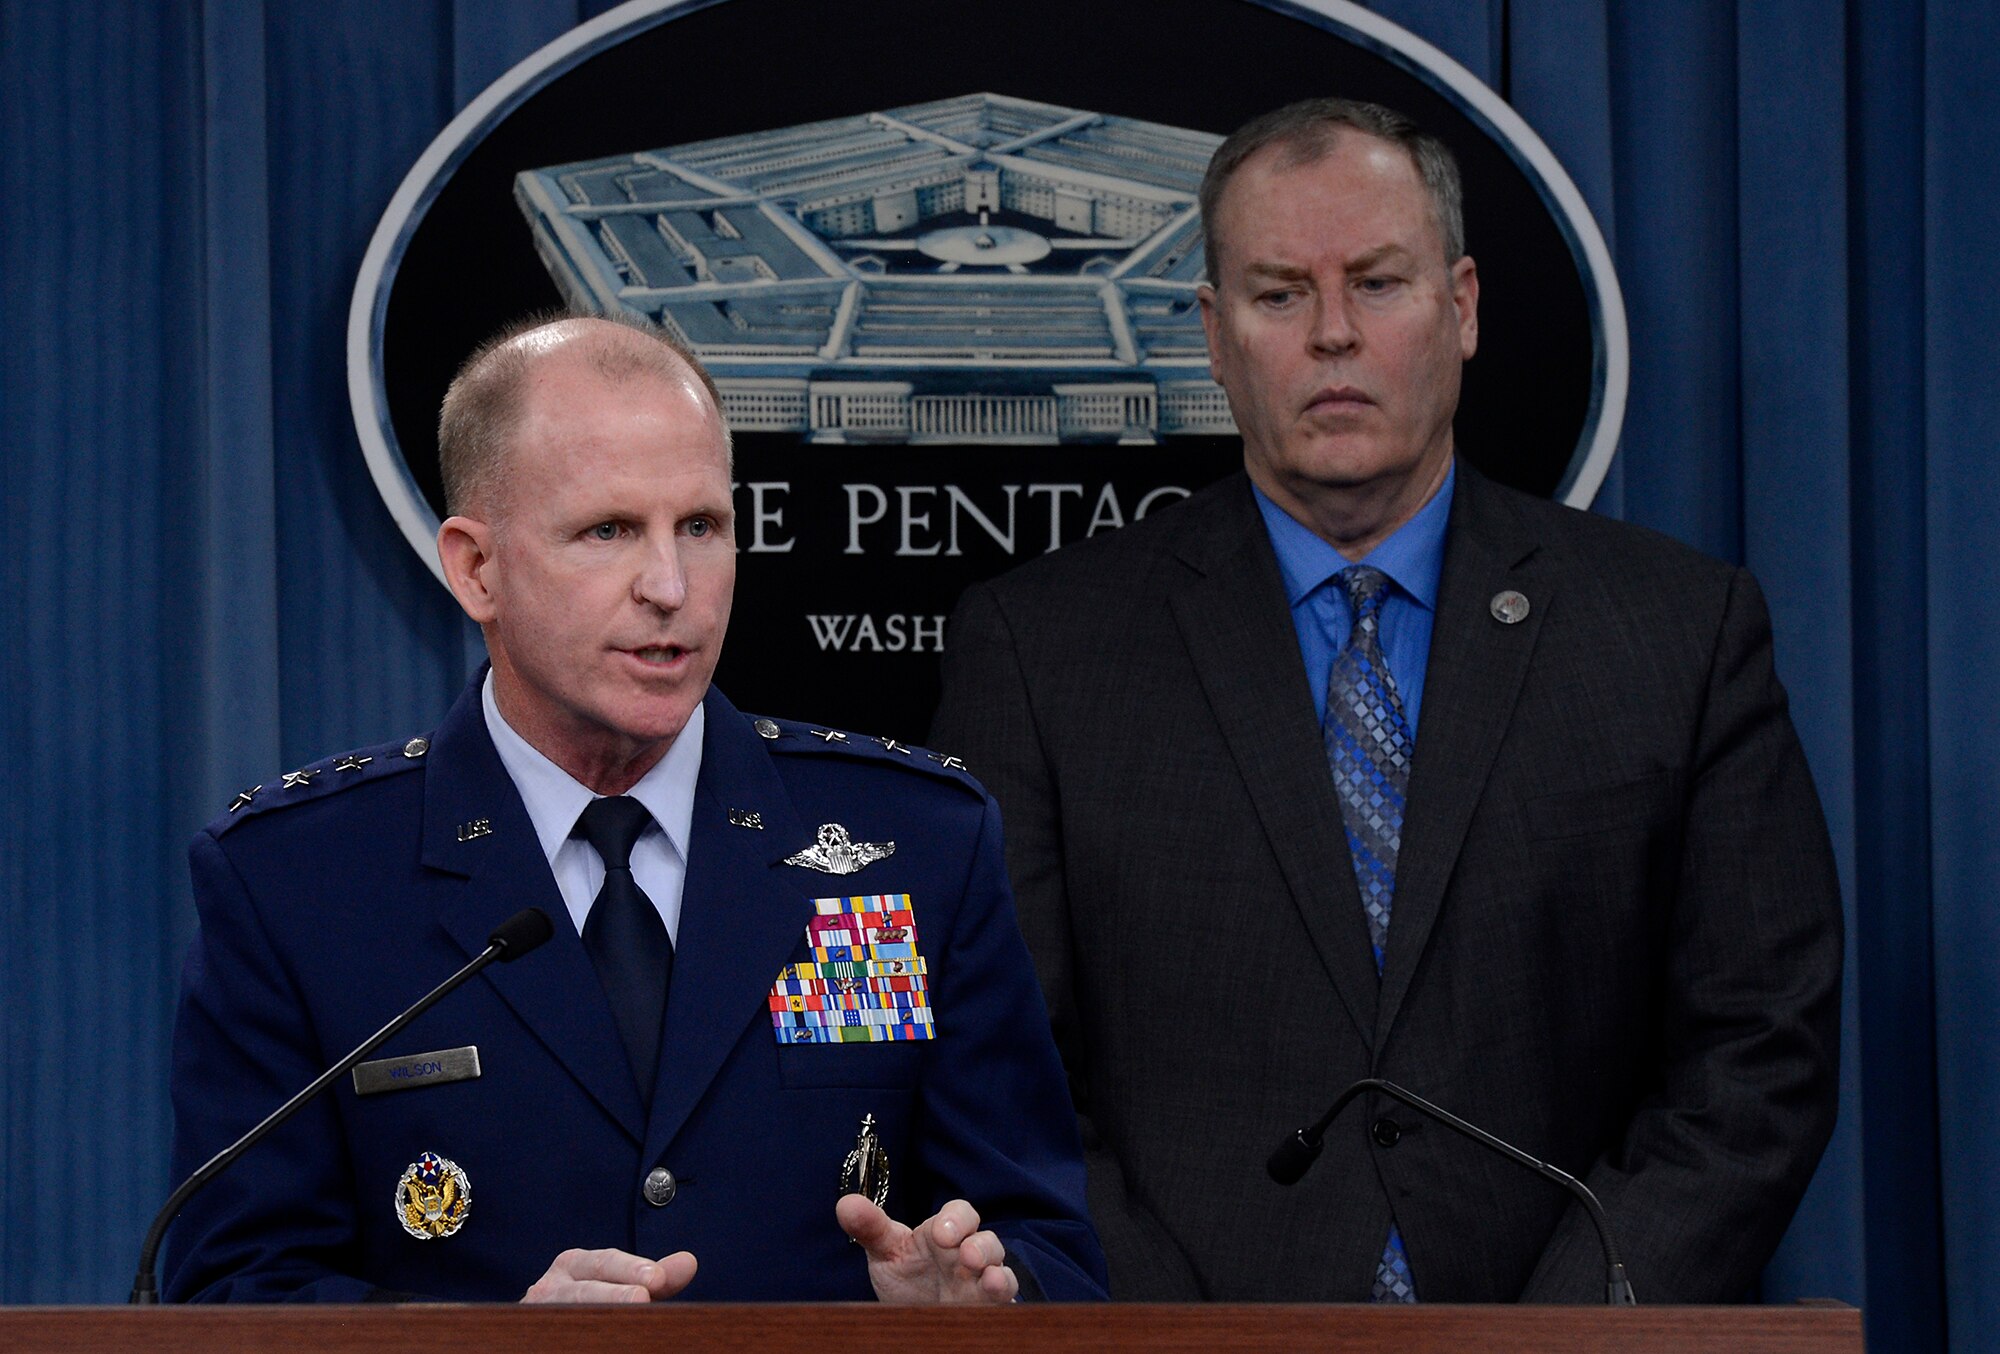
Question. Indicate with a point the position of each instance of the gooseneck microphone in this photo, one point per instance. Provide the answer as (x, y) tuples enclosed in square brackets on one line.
[(510, 940), (1296, 1154)]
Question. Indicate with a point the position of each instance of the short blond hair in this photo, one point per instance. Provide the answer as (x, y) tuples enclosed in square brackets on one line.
[(482, 406)]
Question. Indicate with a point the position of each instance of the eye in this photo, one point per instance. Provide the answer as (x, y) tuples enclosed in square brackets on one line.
[(1377, 285), (699, 526), (1279, 296), (603, 531)]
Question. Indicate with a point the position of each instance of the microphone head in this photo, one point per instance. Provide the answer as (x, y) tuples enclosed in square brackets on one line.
[(520, 933), (1294, 1157)]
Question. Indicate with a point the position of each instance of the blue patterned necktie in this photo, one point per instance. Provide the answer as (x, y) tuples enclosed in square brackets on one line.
[(1368, 746)]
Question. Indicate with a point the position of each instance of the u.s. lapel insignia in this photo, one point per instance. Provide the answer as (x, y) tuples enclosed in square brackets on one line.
[(865, 1170), (477, 828), (433, 1198), (837, 853), (746, 818)]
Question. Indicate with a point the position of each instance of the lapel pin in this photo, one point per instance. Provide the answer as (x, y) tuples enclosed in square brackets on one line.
[(835, 852), (766, 728), (1509, 607), (416, 747), (433, 1197), (746, 818), (478, 827)]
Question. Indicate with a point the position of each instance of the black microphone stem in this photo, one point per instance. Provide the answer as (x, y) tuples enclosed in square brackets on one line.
[(144, 1287), (1303, 1146)]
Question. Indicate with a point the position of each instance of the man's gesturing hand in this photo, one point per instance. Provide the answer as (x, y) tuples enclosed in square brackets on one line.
[(945, 1258), (612, 1276)]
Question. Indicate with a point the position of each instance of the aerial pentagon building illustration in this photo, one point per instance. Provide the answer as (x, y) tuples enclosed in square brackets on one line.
[(980, 269)]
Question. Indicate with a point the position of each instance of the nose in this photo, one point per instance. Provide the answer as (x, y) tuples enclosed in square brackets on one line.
[(661, 582), (1333, 329)]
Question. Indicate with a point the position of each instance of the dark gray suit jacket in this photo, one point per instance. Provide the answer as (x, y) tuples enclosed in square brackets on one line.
[(1616, 939)]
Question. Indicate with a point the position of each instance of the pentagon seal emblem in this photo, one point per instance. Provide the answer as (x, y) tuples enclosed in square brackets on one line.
[(433, 1198)]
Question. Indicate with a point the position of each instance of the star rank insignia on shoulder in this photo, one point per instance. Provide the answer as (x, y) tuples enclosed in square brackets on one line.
[(327, 776), (788, 736)]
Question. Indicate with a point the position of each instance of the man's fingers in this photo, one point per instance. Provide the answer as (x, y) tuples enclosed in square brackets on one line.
[(595, 1290), (861, 1219), (611, 1276), (980, 1250), (999, 1284), (676, 1272), (611, 1266), (952, 1224)]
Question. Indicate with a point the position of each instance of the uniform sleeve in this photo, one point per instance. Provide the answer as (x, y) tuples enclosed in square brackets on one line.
[(1713, 1164), (279, 1224), (997, 1125), (987, 718)]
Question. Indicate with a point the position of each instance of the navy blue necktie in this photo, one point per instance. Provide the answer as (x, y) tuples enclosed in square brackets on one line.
[(626, 938), (1368, 746)]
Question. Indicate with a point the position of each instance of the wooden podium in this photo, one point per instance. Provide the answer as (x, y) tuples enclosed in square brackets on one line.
[(779, 1328)]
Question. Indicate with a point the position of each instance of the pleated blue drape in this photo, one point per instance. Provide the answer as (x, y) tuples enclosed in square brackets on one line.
[(199, 584)]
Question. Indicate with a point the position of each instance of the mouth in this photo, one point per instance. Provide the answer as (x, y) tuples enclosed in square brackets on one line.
[(660, 656), (1338, 400)]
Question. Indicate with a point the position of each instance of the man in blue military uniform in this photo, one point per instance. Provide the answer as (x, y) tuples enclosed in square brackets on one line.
[(785, 964)]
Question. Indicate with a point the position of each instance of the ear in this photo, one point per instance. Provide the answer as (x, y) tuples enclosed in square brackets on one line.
[(1211, 327), (465, 549), (1465, 298)]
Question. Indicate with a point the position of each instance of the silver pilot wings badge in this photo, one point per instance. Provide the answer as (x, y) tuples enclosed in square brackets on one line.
[(837, 853)]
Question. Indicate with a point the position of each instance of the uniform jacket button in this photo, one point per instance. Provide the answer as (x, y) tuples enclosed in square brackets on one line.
[(1388, 1132), (660, 1187)]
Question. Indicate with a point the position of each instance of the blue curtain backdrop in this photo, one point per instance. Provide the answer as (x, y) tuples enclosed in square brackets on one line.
[(200, 584)]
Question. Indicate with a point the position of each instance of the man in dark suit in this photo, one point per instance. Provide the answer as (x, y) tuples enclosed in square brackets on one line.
[(1360, 765), (785, 966)]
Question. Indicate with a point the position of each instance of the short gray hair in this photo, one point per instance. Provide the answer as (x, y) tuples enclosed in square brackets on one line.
[(1307, 130), (482, 407)]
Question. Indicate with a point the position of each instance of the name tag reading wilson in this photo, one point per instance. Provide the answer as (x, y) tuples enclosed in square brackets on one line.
[(419, 1069)]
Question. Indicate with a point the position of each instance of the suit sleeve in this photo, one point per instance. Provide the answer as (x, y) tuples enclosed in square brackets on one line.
[(986, 717), (1714, 1162), (280, 1223)]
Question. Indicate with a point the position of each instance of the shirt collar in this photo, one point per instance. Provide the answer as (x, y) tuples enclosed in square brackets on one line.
[(1412, 556), (555, 799)]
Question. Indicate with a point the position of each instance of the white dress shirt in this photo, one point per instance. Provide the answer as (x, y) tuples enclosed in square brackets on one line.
[(556, 799)]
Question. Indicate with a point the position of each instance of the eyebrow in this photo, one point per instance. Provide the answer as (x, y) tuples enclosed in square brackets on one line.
[(1381, 253), (1279, 270), (1360, 263)]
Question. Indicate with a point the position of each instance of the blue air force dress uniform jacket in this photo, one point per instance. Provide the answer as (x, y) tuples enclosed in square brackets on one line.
[(329, 902)]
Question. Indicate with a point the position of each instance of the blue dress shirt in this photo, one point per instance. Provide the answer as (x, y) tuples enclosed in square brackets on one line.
[(555, 800), (1412, 557)]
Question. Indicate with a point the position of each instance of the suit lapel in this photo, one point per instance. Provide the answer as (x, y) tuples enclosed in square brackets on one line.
[(742, 915), (555, 990), (1477, 665), (1233, 618)]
